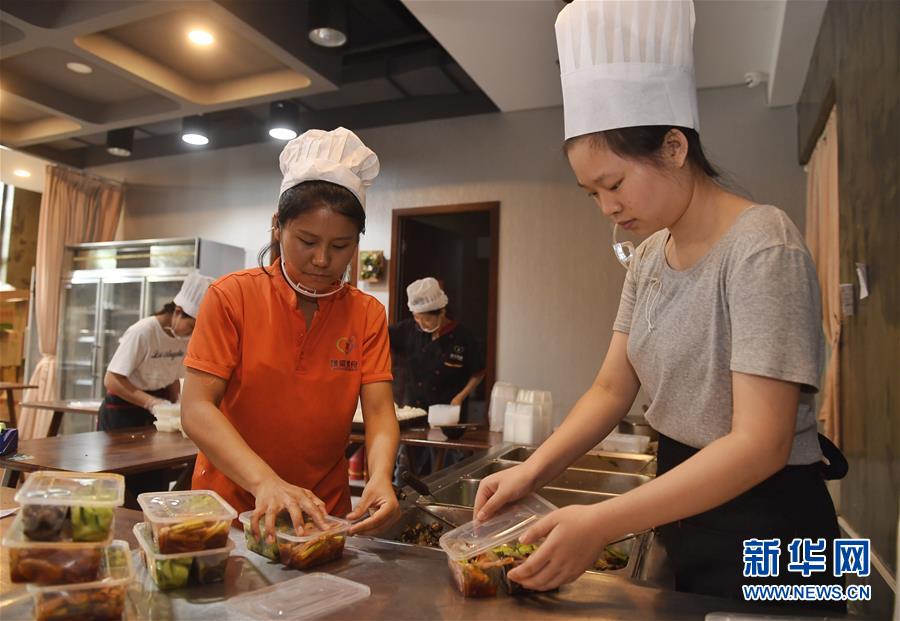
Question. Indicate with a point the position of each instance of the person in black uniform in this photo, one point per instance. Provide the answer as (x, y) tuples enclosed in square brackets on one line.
[(439, 360)]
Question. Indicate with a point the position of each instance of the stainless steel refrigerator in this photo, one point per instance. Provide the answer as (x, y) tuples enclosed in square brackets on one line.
[(111, 285)]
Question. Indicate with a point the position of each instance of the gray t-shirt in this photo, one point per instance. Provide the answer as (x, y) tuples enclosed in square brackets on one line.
[(751, 305)]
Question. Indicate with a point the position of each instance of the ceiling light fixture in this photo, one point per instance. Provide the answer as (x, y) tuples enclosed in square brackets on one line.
[(80, 68), (201, 37), (21, 172), (328, 22), (195, 130), (119, 142), (283, 123)]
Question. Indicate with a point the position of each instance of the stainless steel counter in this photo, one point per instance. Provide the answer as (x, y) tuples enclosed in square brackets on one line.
[(409, 582)]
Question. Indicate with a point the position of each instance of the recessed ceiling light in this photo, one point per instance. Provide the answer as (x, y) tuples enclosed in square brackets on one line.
[(21, 172), (195, 130), (195, 139), (283, 121), (327, 37), (80, 68), (282, 133), (200, 37), (120, 142)]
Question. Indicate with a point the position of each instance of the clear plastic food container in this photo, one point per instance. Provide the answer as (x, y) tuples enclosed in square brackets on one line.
[(187, 521), (260, 545), (59, 506), (474, 550), (175, 571), (315, 546), (98, 600), (307, 597), (56, 562)]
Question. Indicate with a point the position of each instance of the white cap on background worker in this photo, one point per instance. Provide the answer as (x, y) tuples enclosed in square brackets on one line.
[(192, 291), (425, 295)]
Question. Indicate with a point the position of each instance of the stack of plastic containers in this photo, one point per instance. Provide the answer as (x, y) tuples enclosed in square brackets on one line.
[(529, 419), (311, 549), (501, 394), (61, 545), (184, 537), (481, 553)]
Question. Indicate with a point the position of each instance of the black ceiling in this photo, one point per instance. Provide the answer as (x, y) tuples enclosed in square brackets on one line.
[(391, 71)]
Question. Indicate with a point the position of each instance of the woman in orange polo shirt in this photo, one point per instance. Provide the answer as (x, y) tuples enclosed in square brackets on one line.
[(281, 354)]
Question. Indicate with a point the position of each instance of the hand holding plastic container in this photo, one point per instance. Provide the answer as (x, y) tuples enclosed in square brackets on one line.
[(474, 552)]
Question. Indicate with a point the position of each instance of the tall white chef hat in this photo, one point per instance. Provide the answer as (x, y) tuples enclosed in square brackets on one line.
[(626, 64), (192, 291), (425, 295), (338, 156)]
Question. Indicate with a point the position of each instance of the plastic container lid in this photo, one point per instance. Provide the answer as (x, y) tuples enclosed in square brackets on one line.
[(306, 597), (72, 488), (15, 538), (115, 570), (473, 538), (144, 537), (172, 507), (336, 526)]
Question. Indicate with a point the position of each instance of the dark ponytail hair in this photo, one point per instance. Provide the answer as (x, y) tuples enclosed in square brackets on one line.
[(644, 143), (167, 308), (309, 195)]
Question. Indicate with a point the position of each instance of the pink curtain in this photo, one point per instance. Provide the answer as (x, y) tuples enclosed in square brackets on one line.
[(75, 208), (822, 237)]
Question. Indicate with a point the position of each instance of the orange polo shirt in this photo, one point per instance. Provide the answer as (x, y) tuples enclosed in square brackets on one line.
[(291, 392)]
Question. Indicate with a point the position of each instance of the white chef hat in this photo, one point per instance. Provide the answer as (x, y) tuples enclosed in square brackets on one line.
[(626, 64), (192, 291), (338, 156), (425, 295)]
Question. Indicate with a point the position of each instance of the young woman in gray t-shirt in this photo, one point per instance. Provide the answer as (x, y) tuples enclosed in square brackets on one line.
[(719, 321)]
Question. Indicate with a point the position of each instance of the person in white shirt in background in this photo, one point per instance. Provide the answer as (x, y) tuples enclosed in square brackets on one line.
[(146, 368)]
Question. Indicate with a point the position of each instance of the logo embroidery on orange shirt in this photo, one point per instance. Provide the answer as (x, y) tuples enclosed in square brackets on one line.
[(346, 344)]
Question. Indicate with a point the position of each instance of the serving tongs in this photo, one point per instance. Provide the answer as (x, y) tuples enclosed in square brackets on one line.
[(424, 491)]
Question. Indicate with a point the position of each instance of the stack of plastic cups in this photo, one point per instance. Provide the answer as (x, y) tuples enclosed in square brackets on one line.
[(184, 537), (61, 544), (544, 400), (501, 394), (524, 423)]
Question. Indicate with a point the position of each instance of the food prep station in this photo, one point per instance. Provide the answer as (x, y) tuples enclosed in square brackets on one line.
[(412, 580)]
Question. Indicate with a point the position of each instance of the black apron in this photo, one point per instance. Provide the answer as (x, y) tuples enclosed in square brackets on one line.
[(706, 550), (117, 413)]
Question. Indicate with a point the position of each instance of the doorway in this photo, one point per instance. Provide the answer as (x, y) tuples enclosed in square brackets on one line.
[(458, 245)]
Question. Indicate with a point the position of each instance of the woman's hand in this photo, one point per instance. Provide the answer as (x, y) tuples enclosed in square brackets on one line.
[(574, 541), (152, 402), (502, 488), (275, 495), (378, 495)]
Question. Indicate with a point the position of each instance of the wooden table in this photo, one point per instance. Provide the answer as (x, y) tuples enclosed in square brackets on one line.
[(9, 387), (125, 451), (478, 440), (63, 407)]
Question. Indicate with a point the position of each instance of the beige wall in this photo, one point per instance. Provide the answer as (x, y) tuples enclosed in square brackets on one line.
[(559, 283)]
